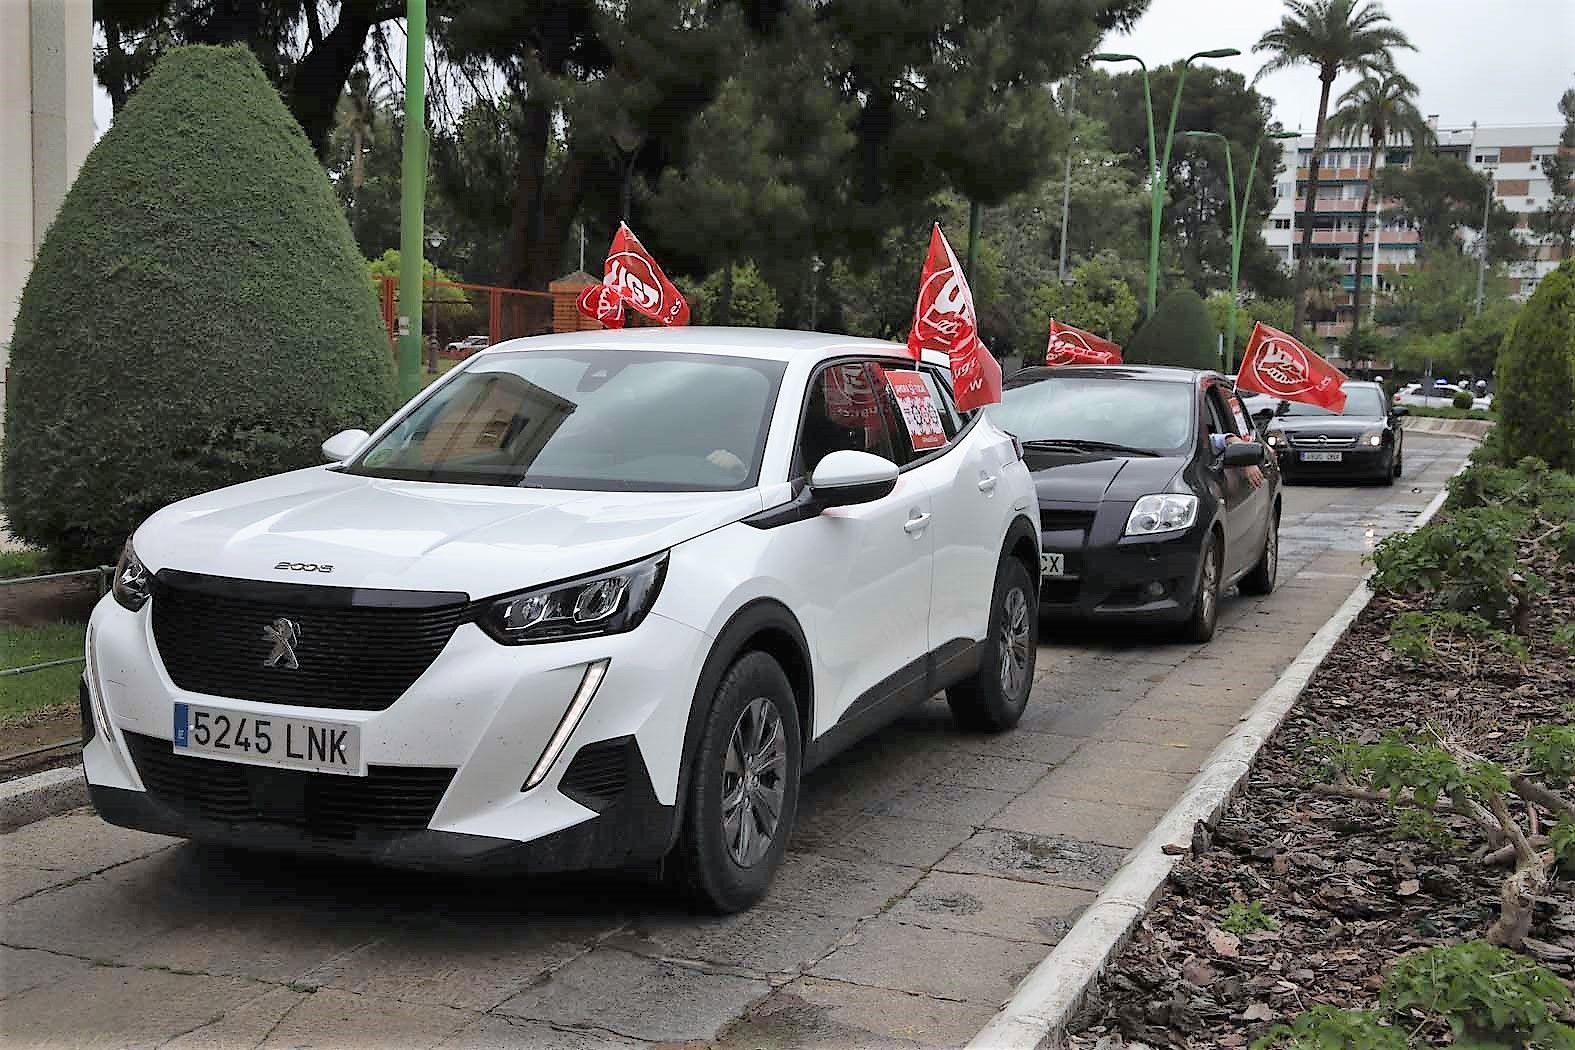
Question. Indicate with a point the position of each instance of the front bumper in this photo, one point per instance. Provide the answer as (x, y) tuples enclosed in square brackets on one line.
[(477, 720), (1111, 577)]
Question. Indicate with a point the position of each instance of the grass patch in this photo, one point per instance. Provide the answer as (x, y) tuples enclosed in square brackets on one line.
[(443, 366), (24, 694), (1451, 412)]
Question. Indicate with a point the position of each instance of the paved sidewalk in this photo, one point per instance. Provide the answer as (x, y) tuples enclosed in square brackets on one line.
[(931, 871)]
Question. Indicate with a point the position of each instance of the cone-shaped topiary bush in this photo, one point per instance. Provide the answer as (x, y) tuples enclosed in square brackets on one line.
[(1536, 375), (1180, 333), (197, 315)]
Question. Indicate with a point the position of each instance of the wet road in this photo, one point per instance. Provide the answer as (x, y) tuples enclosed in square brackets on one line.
[(931, 870)]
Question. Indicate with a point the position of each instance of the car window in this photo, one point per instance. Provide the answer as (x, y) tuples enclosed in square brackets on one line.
[(846, 409), (941, 393), (602, 420), (1364, 402), (1238, 415), (1217, 418)]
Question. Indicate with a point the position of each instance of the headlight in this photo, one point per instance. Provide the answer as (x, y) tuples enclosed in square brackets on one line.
[(1275, 439), (133, 584), (1167, 512), (1374, 439), (610, 602)]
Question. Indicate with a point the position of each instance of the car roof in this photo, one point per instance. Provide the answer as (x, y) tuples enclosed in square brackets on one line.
[(1165, 373), (772, 344)]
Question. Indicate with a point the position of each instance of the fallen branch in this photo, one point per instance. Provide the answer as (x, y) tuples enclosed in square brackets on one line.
[(1537, 795)]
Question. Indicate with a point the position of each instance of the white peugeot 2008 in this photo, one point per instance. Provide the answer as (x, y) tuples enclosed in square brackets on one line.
[(591, 600)]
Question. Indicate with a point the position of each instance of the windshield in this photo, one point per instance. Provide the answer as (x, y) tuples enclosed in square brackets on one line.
[(604, 420), (1365, 402), (1154, 415)]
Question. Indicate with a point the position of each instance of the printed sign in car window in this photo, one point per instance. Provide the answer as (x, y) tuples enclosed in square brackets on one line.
[(1243, 429), (918, 409)]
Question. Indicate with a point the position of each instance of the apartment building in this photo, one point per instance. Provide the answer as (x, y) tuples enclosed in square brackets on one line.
[(1513, 154)]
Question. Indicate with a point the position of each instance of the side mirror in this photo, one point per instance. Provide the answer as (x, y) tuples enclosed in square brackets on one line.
[(1401, 410), (845, 477), (1245, 454), (343, 445), (1283, 408)]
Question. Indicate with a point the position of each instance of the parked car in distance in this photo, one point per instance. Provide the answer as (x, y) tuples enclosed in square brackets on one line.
[(1146, 514), (589, 600), (1439, 396), (1363, 440), (471, 344)]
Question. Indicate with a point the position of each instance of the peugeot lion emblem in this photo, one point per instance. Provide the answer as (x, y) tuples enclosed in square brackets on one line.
[(283, 634)]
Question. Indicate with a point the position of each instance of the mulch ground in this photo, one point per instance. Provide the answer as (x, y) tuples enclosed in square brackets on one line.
[(1348, 897)]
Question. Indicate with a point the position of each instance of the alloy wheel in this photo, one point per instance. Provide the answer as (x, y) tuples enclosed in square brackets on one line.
[(754, 773), (1211, 586), (1014, 642), (1271, 553)]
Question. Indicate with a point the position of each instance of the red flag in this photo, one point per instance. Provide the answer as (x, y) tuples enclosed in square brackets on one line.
[(601, 303), (944, 319), (1073, 346), (640, 282), (1277, 365)]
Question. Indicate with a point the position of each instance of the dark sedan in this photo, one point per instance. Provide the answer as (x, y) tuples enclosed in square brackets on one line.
[(1154, 493), (1363, 440)]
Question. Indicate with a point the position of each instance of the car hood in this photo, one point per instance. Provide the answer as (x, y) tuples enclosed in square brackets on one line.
[(407, 535), (1332, 425), (1092, 477)]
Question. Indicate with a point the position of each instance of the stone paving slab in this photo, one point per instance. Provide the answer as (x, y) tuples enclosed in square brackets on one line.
[(930, 870)]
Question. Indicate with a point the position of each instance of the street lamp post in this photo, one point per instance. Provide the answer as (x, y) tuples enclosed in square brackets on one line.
[(412, 194), (1238, 225), (1066, 190), (1157, 165)]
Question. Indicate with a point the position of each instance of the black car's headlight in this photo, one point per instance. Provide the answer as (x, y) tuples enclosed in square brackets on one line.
[(1163, 512), (1275, 439), (133, 583), (1373, 438), (610, 602)]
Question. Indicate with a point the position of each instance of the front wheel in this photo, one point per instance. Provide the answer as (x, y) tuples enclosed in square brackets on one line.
[(1262, 577), (743, 797), (1206, 607), (993, 699)]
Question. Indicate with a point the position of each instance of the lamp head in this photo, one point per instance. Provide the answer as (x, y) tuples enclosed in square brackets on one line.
[(1219, 52)]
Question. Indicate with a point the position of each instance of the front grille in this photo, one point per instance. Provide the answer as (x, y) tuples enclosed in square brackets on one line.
[(1056, 520), (326, 805), (1317, 441), (598, 774), (356, 649)]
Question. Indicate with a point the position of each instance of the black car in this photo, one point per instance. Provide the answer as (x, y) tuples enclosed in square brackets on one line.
[(1147, 505), (1363, 440)]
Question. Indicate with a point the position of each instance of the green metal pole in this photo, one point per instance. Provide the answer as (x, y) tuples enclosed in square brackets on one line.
[(412, 193), (1240, 225), (1235, 260), (1158, 203), (1156, 197)]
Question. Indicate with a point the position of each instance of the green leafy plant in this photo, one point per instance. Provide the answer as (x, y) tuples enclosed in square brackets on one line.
[(1468, 561), (1550, 753), (1415, 825), (1482, 992), (1328, 1028), (1463, 399), (1247, 918), (1564, 636), (1417, 635), (1561, 838)]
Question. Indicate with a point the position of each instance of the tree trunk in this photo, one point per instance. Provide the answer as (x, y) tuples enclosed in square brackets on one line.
[(543, 212), (357, 167), (724, 304), (113, 69), (1361, 240), (320, 76), (1299, 313)]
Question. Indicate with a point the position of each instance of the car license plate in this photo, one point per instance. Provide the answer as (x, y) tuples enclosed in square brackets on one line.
[(1322, 457), (291, 743), (1052, 564)]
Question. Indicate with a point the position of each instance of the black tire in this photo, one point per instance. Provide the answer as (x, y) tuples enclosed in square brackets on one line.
[(1399, 463), (1391, 471), (710, 869), (1205, 615), (1262, 577), (993, 698)]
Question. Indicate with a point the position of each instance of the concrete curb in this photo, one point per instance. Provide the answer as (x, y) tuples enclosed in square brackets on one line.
[(1047, 1000), (46, 794), (1474, 429)]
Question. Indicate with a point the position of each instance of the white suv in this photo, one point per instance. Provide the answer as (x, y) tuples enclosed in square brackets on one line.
[(590, 600)]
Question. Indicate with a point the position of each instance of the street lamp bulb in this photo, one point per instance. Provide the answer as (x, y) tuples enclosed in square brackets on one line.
[(1220, 52), (434, 239)]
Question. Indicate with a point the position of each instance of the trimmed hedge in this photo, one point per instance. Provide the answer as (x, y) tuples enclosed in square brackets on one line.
[(198, 314), (1180, 333), (1536, 375)]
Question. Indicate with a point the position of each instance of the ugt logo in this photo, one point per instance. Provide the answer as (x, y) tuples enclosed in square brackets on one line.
[(945, 314), (1284, 368), (635, 275)]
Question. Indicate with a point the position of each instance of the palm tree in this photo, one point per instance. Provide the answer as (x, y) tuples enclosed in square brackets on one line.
[(358, 108), (1336, 36), (1380, 106)]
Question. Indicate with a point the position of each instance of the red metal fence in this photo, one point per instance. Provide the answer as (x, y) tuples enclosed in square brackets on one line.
[(453, 310)]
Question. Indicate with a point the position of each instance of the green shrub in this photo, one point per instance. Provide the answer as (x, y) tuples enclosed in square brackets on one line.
[(1247, 918), (1536, 374), (197, 315), (1464, 400), (1468, 562), (1482, 992), (1180, 333), (754, 302), (1328, 1028)]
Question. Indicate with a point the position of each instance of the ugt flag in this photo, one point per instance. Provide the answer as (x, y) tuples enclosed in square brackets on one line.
[(1277, 365), (631, 276), (1073, 346), (944, 319)]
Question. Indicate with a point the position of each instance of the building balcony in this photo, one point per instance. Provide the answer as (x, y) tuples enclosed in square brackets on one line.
[(1390, 238), (1336, 174)]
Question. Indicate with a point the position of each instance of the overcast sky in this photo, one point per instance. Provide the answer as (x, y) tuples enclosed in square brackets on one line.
[(1494, 63)]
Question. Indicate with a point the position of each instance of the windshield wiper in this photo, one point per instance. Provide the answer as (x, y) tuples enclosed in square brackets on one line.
[(1081, 445)]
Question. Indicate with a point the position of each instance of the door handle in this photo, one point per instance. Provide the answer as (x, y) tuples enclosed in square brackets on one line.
[(986, 483), (916, 524)]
